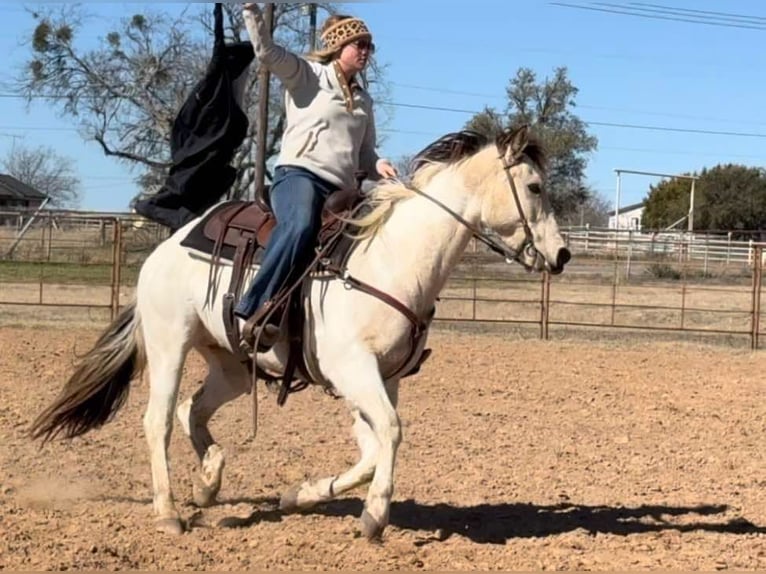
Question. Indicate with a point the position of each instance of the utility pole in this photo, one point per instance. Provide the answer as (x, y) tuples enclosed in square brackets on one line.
[(264, 78)]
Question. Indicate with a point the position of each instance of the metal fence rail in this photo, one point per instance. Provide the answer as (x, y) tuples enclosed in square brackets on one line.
[(615, 282), (682, 245)]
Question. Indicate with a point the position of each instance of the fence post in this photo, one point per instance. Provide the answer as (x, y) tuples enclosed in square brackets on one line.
[(116, 267), (728, 247), (755, 325), (545, 301), (474, 271)]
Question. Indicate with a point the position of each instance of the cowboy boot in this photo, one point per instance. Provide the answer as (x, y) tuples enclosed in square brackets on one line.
[(266, 335)]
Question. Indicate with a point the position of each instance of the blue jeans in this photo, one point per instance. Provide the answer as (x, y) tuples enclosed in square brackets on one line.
[(297, 197)]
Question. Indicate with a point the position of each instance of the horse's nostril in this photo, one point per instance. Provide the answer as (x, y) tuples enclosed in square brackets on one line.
[(563, 257)]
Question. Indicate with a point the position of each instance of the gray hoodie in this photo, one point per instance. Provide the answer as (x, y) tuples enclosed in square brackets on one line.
[(321, 133)]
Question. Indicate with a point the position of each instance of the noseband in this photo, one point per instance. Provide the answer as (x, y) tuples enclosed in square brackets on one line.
[(488, 236)]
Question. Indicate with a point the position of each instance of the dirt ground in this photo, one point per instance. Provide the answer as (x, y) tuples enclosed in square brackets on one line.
[(517, 454)]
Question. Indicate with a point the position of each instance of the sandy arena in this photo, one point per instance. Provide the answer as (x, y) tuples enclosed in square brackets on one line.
[(517, 454)]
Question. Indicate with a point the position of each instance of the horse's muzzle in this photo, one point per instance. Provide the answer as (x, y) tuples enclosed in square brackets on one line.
[(562, 258)]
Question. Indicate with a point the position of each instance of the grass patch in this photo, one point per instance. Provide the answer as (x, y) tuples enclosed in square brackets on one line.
[(64, 273)]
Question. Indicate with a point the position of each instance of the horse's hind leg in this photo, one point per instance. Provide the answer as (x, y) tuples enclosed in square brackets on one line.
[(310, 493), (227, 379), (165, 356)]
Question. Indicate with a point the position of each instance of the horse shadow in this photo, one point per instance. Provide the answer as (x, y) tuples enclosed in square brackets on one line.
[(498, 523)]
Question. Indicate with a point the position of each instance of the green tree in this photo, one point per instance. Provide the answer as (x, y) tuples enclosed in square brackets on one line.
[(735, 197), (728, 197), (547, 106), (668, 203), (125, 93)]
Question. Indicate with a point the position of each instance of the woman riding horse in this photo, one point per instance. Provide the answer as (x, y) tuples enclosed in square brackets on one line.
[(329, 135)]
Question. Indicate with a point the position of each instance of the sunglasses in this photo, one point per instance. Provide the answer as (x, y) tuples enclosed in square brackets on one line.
[(364, 45)]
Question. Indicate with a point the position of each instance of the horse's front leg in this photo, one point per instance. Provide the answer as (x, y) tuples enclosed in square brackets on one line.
[(313, 492), (378, 432)]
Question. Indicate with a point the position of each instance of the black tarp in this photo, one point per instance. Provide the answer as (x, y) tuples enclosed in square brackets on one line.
[(208, 129)]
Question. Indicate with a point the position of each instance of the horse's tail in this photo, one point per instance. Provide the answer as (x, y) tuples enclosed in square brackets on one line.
[(100, 384)]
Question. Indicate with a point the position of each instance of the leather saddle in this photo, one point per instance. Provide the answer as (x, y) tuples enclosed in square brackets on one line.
[(233, 221), (238, 231)]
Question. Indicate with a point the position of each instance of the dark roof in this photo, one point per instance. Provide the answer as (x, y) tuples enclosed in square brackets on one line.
[(13, 188), (630, 207)]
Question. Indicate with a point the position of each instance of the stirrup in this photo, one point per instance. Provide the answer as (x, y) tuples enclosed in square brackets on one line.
[(266, 335)]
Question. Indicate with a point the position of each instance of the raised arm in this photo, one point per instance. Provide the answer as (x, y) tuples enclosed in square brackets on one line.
[(291, 69)]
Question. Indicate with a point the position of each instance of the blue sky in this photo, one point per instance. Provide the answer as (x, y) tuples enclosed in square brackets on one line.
[(629, 70)]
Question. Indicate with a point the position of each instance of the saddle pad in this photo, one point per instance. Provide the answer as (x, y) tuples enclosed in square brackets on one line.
[(200, 241)]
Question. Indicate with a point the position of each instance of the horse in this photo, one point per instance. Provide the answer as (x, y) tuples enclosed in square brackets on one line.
[(406, 244)]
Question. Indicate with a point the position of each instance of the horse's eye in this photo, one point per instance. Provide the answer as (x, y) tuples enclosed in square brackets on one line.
[(535, 188)]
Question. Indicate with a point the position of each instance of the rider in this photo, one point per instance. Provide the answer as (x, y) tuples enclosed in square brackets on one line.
[(329, 135)]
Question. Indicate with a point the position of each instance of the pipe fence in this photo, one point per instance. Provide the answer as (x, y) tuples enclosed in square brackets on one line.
[(67, 262)]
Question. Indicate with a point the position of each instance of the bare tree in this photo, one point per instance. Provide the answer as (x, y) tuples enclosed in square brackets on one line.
[(47, 172), (125, 93)]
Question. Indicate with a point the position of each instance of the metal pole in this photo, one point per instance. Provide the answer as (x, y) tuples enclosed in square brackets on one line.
[(617, 203), (264, 78), (312, 26), (26, 226), (115, 281), (755, 319), (545, 302), (691, 209)]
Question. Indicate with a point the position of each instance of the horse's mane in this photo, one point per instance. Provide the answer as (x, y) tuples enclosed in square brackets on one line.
[(449, 150), (452, 148)]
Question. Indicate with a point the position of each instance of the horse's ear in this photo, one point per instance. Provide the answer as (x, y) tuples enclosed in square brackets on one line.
[(517, 143)]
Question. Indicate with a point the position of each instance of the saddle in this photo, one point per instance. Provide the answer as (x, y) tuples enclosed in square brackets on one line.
[(238, 231)]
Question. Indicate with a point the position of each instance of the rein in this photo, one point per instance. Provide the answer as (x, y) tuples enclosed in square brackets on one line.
[(488, 236)]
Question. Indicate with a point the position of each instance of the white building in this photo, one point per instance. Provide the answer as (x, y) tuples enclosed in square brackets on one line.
[(629, 217)]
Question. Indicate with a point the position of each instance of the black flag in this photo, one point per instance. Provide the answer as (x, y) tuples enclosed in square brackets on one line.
[(208, 129)]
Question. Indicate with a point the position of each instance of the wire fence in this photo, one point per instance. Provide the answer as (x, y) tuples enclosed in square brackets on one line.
[(83, 267)]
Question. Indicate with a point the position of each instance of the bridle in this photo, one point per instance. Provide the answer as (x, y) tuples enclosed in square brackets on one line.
[(418, 326), (488, 236)]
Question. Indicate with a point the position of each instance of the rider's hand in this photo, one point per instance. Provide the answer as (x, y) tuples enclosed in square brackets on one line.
[(386, 169)]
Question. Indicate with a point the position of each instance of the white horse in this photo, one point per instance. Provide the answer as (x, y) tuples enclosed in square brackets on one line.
[(464, 186)]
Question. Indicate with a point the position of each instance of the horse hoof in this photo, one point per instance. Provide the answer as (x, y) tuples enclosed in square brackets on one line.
[(170, 526), (204, 496), (372, 530), (288, 502)]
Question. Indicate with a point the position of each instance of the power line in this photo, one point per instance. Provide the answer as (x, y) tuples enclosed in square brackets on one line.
[(466, 93), (593, 123), (474, 112), (639, 14), (710, 12), (585, 106), (651, 8), (604, 148)]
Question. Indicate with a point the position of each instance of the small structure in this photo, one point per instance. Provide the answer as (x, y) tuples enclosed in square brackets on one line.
[(629, 217), (18, 196)]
